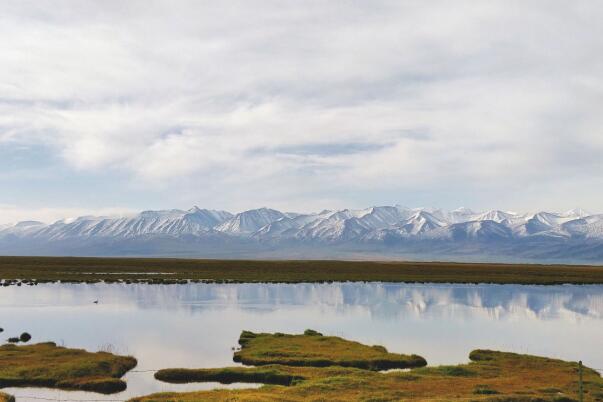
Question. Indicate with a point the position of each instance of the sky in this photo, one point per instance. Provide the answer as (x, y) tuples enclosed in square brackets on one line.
[(112, 106)]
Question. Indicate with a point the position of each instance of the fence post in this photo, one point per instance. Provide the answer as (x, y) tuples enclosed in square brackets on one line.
[(581, 389)]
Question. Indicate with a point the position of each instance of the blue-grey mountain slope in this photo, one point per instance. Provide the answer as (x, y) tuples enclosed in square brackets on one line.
[(383, 232)]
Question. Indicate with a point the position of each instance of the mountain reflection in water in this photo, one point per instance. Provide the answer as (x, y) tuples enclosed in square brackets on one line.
[(379, 299), (195, 325)]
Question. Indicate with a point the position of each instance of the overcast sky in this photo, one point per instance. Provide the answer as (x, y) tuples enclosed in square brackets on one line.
[(109, 106)]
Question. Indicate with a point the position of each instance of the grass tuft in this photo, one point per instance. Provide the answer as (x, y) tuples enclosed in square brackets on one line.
[(482, 389)]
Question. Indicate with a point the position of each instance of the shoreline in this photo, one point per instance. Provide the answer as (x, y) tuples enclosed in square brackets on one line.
[(32, 270)]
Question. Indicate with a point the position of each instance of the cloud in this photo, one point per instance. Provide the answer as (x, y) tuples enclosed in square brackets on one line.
[(14, 213), (267, 101)]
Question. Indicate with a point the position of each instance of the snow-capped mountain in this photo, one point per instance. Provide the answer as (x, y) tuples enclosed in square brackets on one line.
[(250, 221), (574, 235), (173, 222)]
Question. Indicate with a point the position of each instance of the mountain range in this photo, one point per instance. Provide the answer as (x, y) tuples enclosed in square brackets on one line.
[(384, 232)]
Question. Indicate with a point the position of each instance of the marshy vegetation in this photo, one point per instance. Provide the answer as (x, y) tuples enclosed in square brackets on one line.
[(6, 398), (315, 350), (228, 375), (490, 376), (312, 366), (33, 270), (317, 367), (49, 365)]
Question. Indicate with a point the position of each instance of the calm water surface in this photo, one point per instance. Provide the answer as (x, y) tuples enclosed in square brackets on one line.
[(196, 325)]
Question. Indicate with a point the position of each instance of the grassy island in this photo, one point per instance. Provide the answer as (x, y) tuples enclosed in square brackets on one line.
[(490, 376), (49, 365), (6, 398), (32, 270), (314, 350), (278, 352)]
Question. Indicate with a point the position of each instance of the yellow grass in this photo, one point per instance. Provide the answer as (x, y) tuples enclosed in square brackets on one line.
[(6, 398), (313, 349), (48, 365), (490, 376)]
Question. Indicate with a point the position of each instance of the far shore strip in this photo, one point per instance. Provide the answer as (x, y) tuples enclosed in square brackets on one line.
[(168, 270)]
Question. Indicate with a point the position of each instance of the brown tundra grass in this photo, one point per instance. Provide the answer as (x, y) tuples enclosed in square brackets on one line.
[(490, 376), (48, 365)]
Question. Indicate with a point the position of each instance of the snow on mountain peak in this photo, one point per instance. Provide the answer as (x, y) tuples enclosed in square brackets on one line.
[(28, 224), (250, 221), (577, 213), (377, 223)]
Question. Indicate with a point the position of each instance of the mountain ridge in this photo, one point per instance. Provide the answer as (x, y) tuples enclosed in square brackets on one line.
[(389, 230)]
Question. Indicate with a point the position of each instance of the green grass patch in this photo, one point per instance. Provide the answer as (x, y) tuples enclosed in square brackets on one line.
[(48, 365), (448, 371), (314, 350)]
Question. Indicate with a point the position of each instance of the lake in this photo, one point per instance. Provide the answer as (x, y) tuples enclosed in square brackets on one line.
[(196, 325)]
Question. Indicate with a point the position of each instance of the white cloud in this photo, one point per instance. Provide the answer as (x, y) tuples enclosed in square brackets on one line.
[(14, 213), (196, 95)]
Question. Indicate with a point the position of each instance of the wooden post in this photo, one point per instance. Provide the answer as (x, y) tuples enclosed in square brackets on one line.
[(581, 390)]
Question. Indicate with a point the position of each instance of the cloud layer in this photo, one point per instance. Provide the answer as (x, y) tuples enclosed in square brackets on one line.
[(303, 105)]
